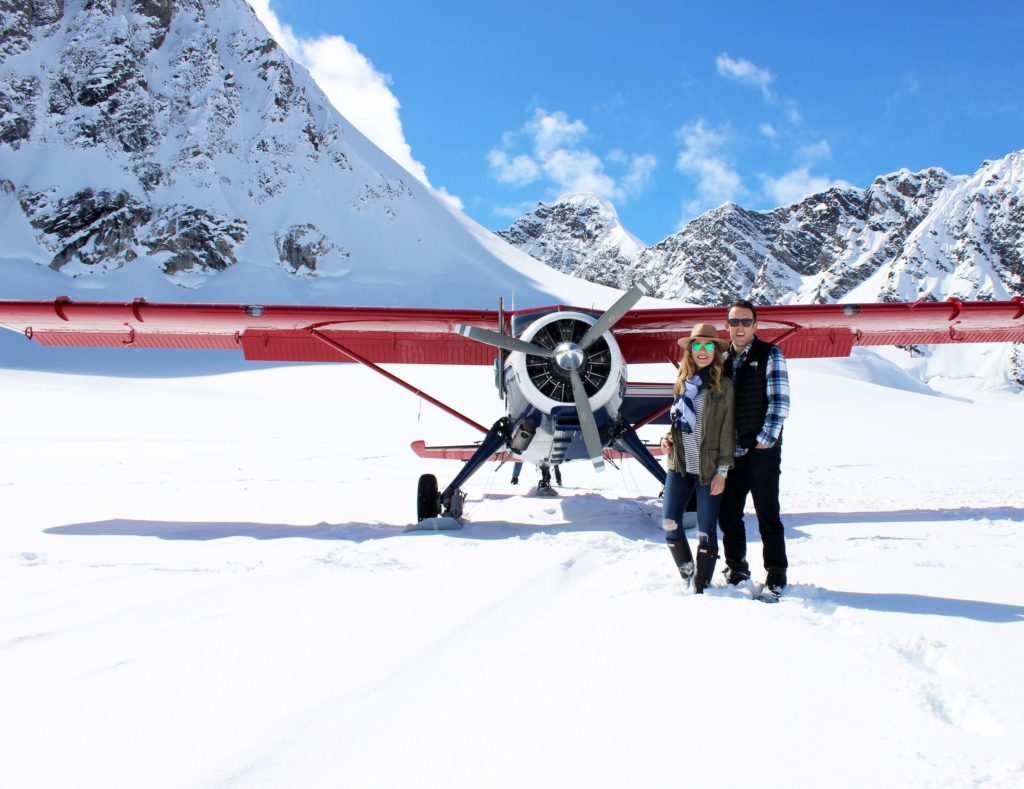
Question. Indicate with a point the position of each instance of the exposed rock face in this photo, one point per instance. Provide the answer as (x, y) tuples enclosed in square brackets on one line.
[(188, 132), (577, 234), (195, 239), (301, 247), (90, 228)]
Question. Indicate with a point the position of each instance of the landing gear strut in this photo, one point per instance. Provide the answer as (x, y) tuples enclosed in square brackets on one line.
[(443, 510)]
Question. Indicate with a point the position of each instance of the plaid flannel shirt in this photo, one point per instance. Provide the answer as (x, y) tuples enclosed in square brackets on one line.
[(777, 388)]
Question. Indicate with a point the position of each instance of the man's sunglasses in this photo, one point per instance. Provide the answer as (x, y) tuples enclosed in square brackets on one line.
[(741, 321), (707, 346)]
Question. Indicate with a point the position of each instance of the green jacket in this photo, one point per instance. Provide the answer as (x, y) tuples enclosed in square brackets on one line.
[(717, 437)]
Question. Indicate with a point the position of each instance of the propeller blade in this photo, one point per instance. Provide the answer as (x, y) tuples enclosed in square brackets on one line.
[(590, 435), (488, 337), (499, 379), (616, 311)]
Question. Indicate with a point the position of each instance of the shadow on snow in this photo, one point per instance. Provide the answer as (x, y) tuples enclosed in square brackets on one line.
[(588, 512), (900, 603), (904, 516), (637, 519)]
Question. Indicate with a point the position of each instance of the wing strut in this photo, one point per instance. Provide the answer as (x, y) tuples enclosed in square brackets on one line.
[(651, 417), (394, 378), (630, 443)]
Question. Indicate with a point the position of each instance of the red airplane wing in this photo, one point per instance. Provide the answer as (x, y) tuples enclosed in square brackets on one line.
[(428, 336), (829, 330), (271, 333)]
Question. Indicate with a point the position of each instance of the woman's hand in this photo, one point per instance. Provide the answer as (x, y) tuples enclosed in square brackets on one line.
[(666, 445), (717, 485)]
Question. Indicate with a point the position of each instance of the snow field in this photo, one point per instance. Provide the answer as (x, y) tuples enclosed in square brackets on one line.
[(205, 583)]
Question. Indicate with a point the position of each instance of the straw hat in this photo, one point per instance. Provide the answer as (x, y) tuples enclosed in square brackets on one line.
[(704, 331)]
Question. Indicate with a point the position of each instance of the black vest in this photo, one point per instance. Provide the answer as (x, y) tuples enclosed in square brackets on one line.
[(751, 387)]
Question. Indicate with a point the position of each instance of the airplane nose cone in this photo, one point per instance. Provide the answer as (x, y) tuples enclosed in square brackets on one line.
[(568, 356)]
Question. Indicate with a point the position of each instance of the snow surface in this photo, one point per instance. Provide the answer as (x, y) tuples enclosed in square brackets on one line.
[(205, 583)]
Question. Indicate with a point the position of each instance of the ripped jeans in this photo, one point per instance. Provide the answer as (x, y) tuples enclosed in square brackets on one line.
[(678, 489)]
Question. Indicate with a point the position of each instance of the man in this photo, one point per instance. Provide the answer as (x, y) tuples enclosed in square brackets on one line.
[(761, 383), (546, 480)]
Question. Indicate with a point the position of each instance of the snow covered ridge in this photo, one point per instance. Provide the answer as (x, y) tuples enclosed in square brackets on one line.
[(144, 111), (578, 234), (148, 146), (909, 235)]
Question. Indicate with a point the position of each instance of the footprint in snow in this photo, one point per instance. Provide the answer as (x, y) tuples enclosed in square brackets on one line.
[(944, 693)]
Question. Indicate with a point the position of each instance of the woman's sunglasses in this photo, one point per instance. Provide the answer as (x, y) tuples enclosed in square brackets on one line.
[(707, 346)]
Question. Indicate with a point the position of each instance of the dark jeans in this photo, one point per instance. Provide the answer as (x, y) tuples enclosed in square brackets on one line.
[(756, 473), (678, 489)]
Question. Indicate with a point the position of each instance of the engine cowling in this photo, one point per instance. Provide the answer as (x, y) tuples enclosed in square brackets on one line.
[(546, 383)]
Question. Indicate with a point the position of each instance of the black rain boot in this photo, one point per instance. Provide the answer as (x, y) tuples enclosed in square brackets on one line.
[(775, 582), (706, 562), (680, 550), (544, 486), (736, 571)]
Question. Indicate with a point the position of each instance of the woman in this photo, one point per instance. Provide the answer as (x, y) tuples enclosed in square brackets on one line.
[(699, 448)]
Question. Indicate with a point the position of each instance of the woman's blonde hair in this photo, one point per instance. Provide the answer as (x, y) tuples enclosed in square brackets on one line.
[(687, 368)]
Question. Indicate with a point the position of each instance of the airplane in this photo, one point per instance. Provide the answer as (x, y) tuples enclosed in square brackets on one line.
[(561, 371)]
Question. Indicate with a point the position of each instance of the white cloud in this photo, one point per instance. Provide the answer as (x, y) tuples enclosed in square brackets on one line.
[(448, 197), (768, 131), (580, 171), (908, 86), (558, 156), (746, 72), (814, 151), (554, 130), (639, 176), (516, 170), (514, 211), (702, 158), (355, 88), (798, 184)]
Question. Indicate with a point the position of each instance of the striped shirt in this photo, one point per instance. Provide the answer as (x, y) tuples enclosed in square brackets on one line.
[(691, 441)]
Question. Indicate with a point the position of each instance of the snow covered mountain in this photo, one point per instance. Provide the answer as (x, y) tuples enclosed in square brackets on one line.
[(909, 235), (817, 250), (170, 148), (578, 234), (927, 235)]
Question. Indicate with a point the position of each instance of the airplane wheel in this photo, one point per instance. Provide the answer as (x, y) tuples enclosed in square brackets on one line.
[(427, 504)]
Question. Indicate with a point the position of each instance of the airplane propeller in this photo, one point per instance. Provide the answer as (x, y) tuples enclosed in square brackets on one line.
[(505, 341), (615, 312), (570, 357)]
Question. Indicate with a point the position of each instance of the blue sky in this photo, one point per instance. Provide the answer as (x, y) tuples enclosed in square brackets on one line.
[(665, 108)]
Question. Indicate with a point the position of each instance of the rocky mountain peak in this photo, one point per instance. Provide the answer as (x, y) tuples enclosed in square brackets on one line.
[(578, 234), (908, 235)]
